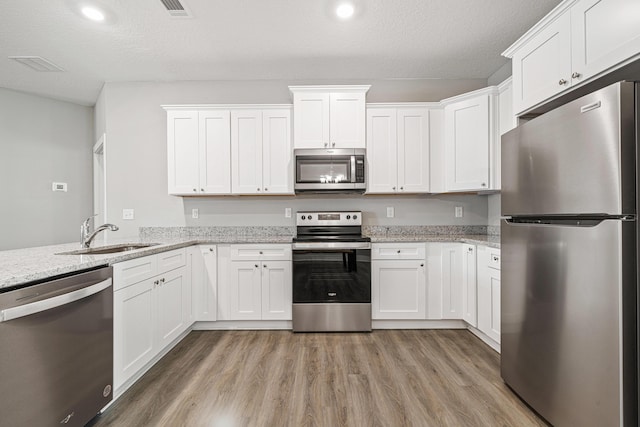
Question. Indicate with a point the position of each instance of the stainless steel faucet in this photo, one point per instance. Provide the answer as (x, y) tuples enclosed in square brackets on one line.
[(86, 237)]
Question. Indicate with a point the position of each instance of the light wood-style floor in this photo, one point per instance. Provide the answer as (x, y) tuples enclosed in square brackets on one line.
[(278, 378)]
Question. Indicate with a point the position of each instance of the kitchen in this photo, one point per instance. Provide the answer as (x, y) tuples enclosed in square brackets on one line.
[(129, 112)]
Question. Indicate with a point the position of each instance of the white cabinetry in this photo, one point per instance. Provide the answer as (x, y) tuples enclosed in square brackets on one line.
[(203, 262), (152, 307), (260, 282), (261, 151), (577, 41), (398, 281), (452, 281), (489, 292), (229, 150), (397, 148), (470, 140), (198, 152), (469, 284), (329, 116)]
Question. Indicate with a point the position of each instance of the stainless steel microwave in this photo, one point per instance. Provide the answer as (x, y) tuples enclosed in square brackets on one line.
[(333, 170)]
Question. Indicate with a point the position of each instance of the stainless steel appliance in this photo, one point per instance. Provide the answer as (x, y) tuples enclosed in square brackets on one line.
[(56, 362), (570, 260), (338, 170), (331, 273)]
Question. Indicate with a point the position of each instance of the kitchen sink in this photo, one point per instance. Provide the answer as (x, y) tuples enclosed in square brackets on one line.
[(109, 249)]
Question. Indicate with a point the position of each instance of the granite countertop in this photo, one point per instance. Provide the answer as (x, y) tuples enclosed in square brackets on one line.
[(21, 266)]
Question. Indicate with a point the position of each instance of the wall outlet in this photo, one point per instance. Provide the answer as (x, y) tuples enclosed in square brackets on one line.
[(194, 213), (459, 212), (287, 212), (391, 212), (59, 186), (127, 214)]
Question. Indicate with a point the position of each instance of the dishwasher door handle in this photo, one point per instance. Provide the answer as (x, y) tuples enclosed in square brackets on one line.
[(57, 301)]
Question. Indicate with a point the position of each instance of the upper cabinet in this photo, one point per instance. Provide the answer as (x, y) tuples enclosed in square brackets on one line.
[(198, 152), (217, 150), (329, 116), (397, 148), (578, 40), (470, 130)]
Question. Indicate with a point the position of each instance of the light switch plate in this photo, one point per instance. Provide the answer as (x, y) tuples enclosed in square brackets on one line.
[(459, 212), (194, 213), (287, 212), (127, 214), (391, 212)]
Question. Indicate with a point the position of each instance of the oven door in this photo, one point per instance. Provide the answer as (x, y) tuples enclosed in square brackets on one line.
[(332, 272)]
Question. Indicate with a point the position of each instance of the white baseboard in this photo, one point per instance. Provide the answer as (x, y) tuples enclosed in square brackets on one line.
[(484, 337)]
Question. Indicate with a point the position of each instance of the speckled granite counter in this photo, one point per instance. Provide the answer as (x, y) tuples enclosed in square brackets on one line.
[(26, 265)]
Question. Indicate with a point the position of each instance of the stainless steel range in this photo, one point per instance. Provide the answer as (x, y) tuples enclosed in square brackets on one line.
[(331, 273)]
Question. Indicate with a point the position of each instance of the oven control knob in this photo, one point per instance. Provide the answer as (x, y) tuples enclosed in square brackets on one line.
[(309, 217), (348, 216), (355, 217), (303, 217)]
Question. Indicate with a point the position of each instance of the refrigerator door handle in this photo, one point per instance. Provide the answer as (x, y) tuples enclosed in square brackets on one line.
[(567, 221)]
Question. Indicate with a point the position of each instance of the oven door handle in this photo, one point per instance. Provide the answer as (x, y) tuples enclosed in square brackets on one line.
[(50, 303), (331, 245)]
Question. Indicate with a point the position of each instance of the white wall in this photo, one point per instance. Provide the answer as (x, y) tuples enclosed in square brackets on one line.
[(42, 141), (137, 158), (493, 210)]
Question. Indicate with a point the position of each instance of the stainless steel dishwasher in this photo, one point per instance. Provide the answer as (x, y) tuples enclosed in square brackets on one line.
[(56, 350)]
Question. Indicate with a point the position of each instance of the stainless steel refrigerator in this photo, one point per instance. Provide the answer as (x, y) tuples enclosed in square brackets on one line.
[(570, 260)]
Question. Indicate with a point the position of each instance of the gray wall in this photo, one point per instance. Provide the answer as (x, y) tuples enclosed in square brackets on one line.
[(137, 160), (42, 141)]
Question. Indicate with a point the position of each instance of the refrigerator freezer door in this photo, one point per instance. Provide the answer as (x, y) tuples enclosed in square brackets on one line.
[(562, 291), (578, 158)]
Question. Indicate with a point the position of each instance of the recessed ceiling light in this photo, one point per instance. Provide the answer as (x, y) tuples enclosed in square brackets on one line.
[(345, 11), (93, 13)]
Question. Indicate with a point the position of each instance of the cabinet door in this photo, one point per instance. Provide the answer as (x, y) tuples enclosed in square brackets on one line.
[(469, 285), (467, 144), (246, 152), (311, 120), (452, 281), (276, 290), (208, 291), (173, 301), (493, 328), (277, 163), (398, 289), (347, 120), (245, 293), (413, 150), (215, 152), (542, 67), (182, 152), (604, 33), (382, 161), (133, 330)]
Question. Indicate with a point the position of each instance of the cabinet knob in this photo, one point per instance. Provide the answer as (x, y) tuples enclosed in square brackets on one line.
[(195, 190), (393, 188), (484, 184), (326, 144), (398, 250), (421, 265), (202, 189), (156, 282), (260, 252), (562, 82), (162, 280), (264, 265), (266, 189), (576, 75), (495, 258), (256, 265), (401, 188), (470, 249), (258, 189), (210, 249), (333, 145)]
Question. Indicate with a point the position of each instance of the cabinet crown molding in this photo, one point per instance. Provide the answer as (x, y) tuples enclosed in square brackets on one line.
[(403, 105), (540, 25), (490, 90), (331, 88), (201, 107)]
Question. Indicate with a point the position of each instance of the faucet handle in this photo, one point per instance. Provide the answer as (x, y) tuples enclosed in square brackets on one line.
[(85, 224)]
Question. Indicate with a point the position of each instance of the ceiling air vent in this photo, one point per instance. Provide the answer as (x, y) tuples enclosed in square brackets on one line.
[(176, 8), (37, 63)]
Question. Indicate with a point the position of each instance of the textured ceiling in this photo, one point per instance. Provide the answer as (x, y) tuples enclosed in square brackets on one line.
[(256, 39)]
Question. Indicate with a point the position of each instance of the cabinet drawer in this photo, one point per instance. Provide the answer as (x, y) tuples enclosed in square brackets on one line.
[(171, 260), (261, 252), (133, 271), (398, 251), (494, 258)]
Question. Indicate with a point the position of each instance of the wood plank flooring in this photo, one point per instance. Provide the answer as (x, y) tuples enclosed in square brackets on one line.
[(278, 378)]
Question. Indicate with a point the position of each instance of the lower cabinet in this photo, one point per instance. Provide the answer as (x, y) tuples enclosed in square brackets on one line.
[(148, 314), (398, 281), (489, 292), (203, 262), (469, 285), (452, 281), (260, 289)]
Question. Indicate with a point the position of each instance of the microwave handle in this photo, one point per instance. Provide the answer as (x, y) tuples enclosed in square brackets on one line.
[(353, 169)]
